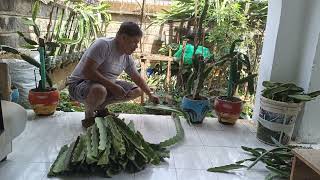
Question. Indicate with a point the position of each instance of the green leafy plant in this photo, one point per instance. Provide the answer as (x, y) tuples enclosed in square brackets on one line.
[(277, 160), (28, 59), (67, 105), (92, 21), (287, 92), (129, 108), (172, 109), (201, 67), (31, 44), (39, 44), (111, 146), (180, 10), (199, 73), (239, 63)]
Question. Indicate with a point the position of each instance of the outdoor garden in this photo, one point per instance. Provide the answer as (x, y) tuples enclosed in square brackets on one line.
[(214, 49)]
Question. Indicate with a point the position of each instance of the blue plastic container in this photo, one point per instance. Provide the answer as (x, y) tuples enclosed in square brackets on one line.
[(195, 109), (14, 96)]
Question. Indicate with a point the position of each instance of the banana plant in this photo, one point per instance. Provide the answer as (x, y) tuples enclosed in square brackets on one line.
[(238, 63), (287, 92)]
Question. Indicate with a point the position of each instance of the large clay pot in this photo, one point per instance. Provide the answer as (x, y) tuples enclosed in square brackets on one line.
[(228, 109), (195, 109), (44, 102)]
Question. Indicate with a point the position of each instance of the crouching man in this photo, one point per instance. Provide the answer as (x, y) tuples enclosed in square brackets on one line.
[(94, 80)]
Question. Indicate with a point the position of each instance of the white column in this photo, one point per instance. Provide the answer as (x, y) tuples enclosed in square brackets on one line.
[(291, 53)]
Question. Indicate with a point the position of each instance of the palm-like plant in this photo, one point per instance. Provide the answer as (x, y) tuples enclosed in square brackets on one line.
[(239, 63)]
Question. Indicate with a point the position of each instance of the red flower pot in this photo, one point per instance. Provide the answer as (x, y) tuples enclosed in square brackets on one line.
[(228, 109), (44, 102)]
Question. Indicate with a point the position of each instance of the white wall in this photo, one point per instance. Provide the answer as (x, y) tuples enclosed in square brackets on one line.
[(281, 49), (291, 53)]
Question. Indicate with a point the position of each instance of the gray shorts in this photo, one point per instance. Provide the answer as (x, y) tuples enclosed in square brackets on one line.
[(79, 90)]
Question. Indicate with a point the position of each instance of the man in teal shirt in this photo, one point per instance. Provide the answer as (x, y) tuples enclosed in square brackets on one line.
[(189, 50)]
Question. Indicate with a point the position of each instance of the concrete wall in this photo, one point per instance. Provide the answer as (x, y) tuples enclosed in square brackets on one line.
[(11, 12), (153, 36)]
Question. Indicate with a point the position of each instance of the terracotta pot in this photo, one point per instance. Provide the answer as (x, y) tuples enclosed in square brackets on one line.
[(228, 110), (44, 102)]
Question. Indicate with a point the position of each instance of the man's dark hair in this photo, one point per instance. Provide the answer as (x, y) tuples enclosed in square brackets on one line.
[(130, 28)]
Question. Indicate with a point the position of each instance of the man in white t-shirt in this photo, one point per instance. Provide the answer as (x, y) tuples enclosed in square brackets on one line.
[(94, 80)]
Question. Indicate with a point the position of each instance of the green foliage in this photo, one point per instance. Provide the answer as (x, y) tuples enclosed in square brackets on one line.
[(277, 160), (239, 63), (109, 147), (92, 20), (287, 92), (226, 168), (67, 105), (199, 73), (175, 110), (127, 107), (27, 58), (179, 10)]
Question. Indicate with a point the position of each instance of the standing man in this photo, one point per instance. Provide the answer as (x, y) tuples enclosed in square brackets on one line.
[(94, 80)]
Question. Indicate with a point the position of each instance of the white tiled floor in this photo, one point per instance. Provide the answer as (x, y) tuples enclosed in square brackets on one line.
[(205, 145)]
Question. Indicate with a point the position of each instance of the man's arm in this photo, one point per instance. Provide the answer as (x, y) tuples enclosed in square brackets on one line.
[(139, 81), (91, 72)]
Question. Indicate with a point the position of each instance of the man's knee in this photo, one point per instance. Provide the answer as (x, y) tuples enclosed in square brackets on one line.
[(98, 91), (135, 93)]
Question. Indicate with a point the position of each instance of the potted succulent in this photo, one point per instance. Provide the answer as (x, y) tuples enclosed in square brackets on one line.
[(280, 104), (43, 99), (193, 104), (229, 107)]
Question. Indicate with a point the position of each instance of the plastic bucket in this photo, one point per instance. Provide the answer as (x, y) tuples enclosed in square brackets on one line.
[(277, 120)]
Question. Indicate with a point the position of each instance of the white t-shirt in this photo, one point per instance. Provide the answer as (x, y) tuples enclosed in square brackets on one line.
[(111, 63)]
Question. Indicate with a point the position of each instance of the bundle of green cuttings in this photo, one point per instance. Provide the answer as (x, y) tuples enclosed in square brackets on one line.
[(111, 146), (278, 161), (287, 92)]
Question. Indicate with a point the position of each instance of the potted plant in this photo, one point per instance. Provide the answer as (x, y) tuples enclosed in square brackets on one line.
[(193, 104), (43, 99), (229, 107), (280, 104)]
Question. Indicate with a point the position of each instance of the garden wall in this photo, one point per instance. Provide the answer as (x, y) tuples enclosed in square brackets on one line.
[(11, 12)]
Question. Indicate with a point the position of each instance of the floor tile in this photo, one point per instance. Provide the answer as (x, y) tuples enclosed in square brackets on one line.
[(191, 158), (220, 156), (205, 145), (10, 170), (192, 174), (209, 124), (227, 138), (242, 175), (156, 174), (122, 176)]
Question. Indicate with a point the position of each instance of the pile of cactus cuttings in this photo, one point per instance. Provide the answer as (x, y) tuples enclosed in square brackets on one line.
[(277, 160), (111, 146)]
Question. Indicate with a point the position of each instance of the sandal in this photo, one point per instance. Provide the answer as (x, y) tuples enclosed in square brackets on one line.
[(87, 122), (103, 113)]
